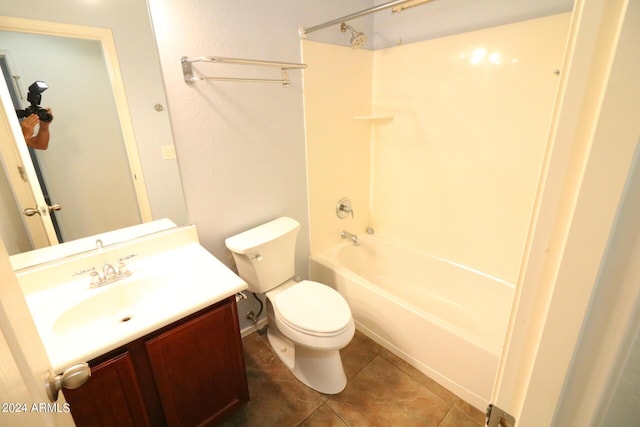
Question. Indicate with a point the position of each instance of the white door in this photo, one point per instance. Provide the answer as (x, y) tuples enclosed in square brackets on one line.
[(22, 176), (593, 139), (23, 361)]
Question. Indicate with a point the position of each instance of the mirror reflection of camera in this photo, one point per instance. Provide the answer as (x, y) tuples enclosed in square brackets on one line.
[(42, 113), (35, 97)]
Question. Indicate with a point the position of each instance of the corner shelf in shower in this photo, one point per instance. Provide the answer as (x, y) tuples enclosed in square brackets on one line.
[(375, 118)]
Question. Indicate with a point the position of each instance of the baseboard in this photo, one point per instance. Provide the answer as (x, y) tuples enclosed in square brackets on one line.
[(253, 328)]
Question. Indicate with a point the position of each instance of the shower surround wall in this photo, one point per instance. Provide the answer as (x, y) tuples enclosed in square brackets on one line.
[(337, 88), (454, 171)]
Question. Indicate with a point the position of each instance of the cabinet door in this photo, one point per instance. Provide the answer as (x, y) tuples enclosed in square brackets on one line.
[(199, 368), (111, 397)]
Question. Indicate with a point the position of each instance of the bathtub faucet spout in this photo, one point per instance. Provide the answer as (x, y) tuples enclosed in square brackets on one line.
[(346, 235)]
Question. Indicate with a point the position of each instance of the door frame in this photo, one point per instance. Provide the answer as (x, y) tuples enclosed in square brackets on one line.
[(592, 141)]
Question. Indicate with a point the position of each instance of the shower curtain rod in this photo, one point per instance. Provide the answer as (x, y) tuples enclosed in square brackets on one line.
[(374, 9)]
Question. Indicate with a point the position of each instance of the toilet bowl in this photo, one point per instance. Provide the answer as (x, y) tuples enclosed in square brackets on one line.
[(308, 322)]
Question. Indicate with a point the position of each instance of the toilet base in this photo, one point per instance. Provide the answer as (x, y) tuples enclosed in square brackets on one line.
[(320, 370)]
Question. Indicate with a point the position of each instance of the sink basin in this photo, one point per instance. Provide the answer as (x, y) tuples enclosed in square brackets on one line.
[(172, 277), (113, 305)]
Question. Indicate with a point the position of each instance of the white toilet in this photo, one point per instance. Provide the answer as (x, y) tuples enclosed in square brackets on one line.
[(308, 322)]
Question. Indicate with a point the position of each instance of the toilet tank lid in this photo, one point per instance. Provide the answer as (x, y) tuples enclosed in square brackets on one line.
[(258, 236)]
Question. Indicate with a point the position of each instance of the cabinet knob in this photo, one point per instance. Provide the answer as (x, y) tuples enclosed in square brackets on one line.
[(72, 377)]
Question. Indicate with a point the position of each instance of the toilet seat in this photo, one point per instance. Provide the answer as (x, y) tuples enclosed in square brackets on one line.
[(313, 309)]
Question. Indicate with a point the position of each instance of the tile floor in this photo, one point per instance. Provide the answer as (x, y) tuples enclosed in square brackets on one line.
[(382, 390)]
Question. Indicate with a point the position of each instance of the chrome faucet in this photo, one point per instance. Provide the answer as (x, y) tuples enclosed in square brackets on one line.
[(346, 235), (108, 274)]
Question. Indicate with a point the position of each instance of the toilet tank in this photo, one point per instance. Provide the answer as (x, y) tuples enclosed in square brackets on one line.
[(265, 255)]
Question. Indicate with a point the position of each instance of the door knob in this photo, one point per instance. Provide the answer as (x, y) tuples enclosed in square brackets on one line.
[(72, 377), (33, 211)]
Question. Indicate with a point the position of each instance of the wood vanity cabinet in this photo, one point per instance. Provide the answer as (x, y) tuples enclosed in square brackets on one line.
[(189, 373), (111, 396)]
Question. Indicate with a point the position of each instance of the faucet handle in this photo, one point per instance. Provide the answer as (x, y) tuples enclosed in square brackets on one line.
[(122, 267), (95, 278), (343, 209)]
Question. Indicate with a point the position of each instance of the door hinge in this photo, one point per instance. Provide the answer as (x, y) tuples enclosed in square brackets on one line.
[(496, 417), (23, 173)]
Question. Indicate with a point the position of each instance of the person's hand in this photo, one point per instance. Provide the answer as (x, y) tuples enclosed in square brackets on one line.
[(28, 126)]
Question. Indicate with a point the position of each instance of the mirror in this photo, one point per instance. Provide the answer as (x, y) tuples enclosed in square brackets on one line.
[(87, 162), (139, 135)]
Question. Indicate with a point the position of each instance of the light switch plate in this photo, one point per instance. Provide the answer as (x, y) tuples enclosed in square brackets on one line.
[(168, 152)]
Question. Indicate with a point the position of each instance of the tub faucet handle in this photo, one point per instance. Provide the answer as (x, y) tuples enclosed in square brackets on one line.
[(343, 209)]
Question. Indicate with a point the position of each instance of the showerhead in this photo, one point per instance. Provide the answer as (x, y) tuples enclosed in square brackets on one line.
[(357, 38)]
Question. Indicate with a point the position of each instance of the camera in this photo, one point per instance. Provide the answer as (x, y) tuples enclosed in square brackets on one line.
[(34, 97)]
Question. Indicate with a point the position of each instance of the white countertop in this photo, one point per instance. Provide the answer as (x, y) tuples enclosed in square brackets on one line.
[(172, 276)]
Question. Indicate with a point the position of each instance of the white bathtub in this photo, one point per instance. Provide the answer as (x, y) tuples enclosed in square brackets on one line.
[(445, 319)]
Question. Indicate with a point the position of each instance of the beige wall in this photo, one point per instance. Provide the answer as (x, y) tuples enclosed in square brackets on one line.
[(337, 88), (454, 172)]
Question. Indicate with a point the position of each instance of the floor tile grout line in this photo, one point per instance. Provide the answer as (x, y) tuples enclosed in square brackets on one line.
[(316, 409), (338, 414), (410, 374), (416, 381), (445, 416), (408, 377), (364, 366), (333, 411), (330, 397), (380, 351)]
